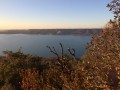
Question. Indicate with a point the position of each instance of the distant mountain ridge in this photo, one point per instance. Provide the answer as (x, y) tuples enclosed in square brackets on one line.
[(54, 31)]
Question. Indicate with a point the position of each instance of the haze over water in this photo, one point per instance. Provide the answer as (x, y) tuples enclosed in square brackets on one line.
[(36, 44)]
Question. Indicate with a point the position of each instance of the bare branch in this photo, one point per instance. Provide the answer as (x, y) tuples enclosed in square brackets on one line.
[(52, 50), (62, 49), (72, 52)]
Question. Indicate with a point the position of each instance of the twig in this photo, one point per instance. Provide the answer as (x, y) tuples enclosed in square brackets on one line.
[(72, 52), (52, 50), (64, 65), (61, 50)]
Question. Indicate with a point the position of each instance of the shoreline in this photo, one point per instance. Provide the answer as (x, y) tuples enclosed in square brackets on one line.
[(54, 31)]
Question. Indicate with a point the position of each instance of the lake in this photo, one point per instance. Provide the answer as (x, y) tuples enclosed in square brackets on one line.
[(36, 44)]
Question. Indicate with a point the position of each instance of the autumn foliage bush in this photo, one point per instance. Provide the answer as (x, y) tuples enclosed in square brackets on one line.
[(98, 69)]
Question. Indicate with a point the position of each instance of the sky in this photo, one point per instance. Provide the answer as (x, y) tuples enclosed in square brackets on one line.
[(49, 14)]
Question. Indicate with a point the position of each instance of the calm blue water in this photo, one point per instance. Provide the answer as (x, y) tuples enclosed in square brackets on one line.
[(36, 44)]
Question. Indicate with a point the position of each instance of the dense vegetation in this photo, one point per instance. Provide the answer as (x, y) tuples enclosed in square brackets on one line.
[(98, 69)]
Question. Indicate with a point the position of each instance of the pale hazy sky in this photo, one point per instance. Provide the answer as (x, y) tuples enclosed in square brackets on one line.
[(29, 14)]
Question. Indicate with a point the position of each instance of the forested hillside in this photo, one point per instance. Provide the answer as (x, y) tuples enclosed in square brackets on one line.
[(54, 31)]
